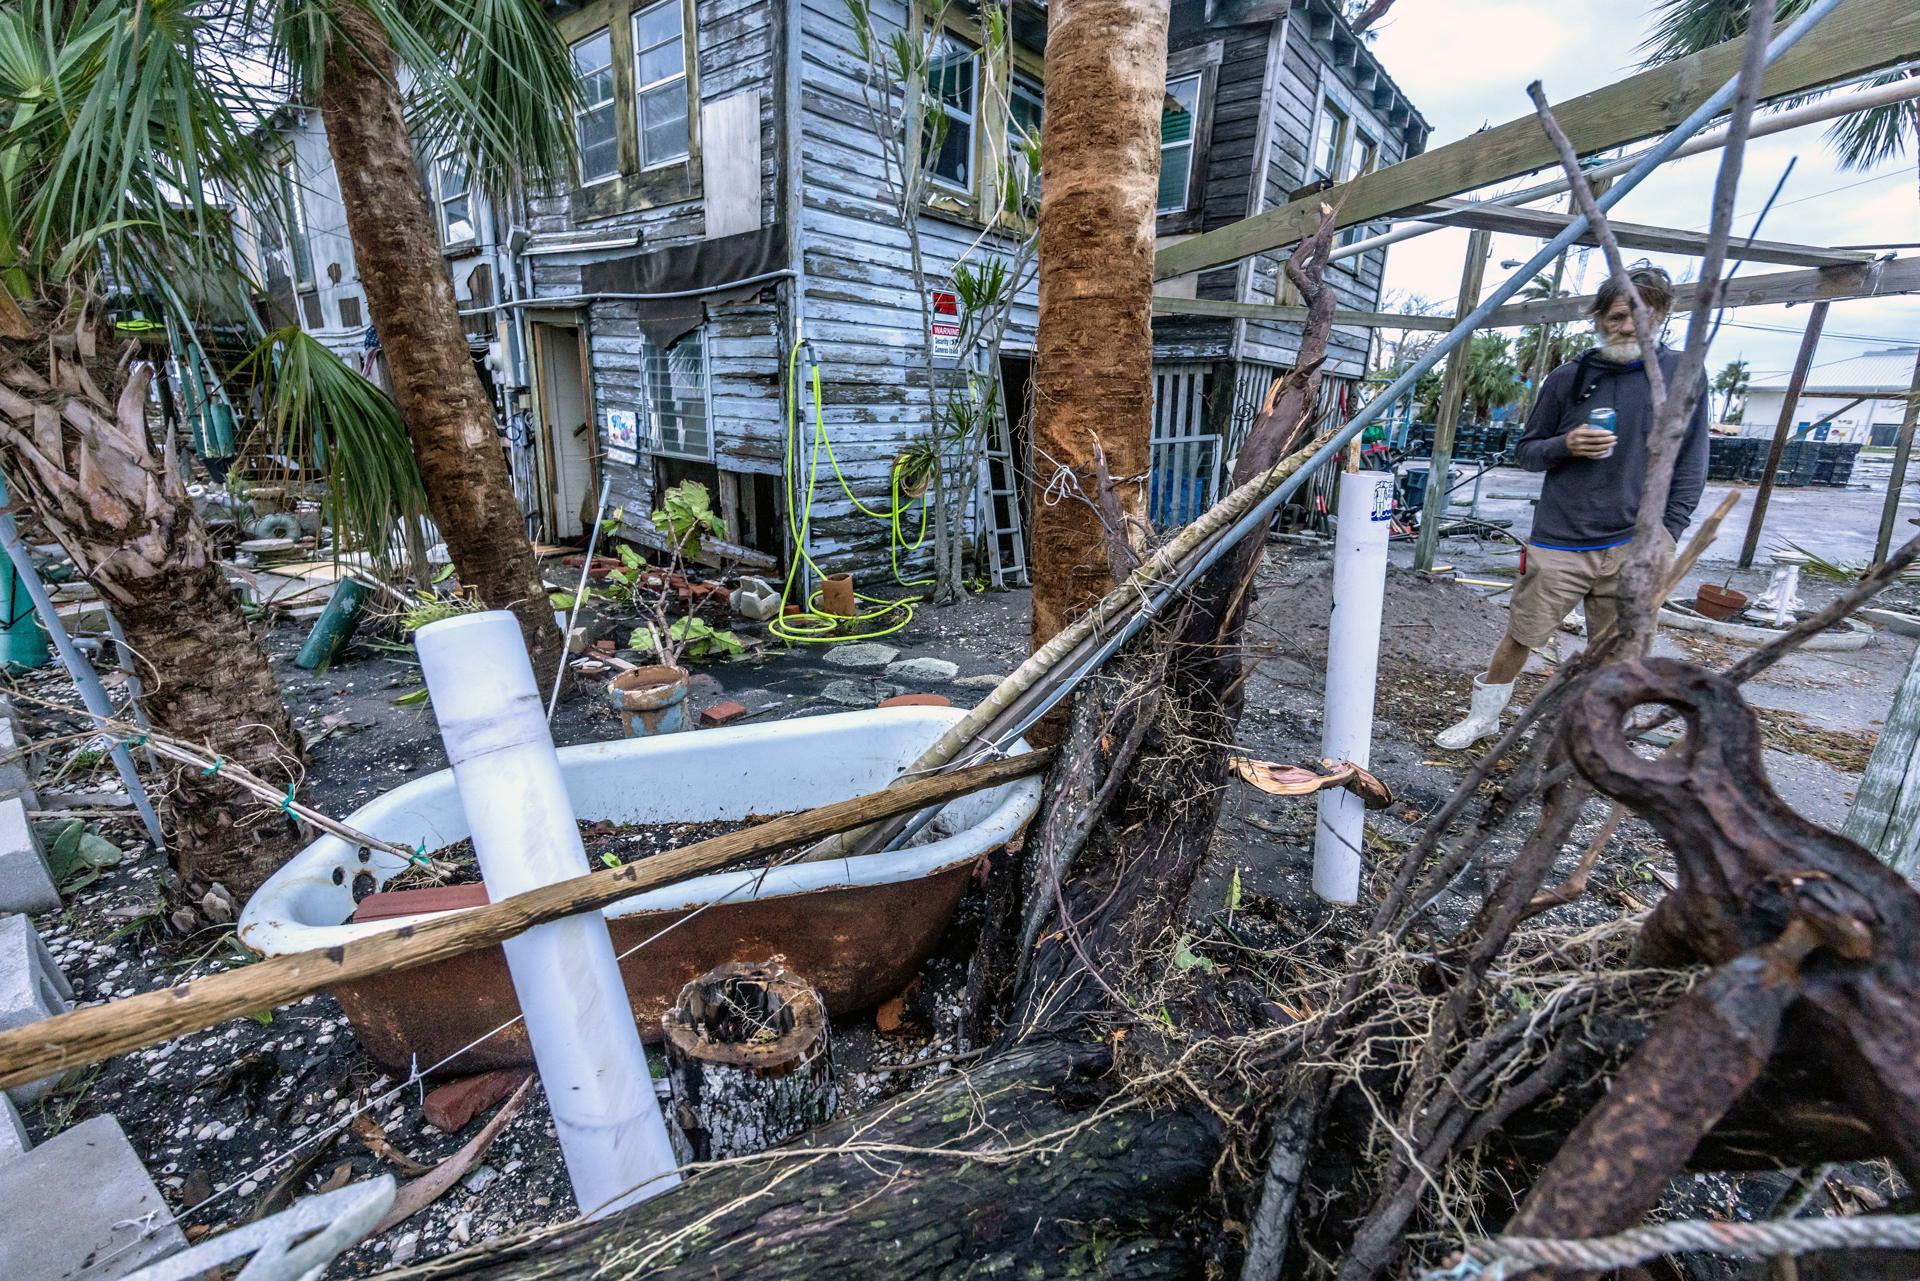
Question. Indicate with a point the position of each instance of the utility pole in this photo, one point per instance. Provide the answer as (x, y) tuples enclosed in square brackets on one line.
[(1452, 392), (1902, 452), (1816, 321)]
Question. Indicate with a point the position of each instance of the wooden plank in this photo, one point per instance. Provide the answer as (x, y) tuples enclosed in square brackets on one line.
[(1433, 512), (1796, 383), (1857, 37), (72, 1040), (1547, 223), (1885, 817), (1835, 284)]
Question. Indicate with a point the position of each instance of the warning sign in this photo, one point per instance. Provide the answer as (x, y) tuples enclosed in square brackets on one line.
[(945, 325)]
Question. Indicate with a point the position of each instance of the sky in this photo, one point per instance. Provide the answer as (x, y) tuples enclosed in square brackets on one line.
[(1466, 63)]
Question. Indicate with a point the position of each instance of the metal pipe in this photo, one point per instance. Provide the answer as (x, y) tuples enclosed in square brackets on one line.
[(92, 693), (568, 300), (1811, 113), (525, 836), (580, 592)]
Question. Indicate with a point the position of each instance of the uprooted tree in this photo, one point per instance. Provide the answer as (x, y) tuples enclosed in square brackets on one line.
[(1362, 1101)]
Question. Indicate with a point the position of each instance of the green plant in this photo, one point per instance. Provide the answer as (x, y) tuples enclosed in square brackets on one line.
[(684, 515), (691, 638), (432, 609)]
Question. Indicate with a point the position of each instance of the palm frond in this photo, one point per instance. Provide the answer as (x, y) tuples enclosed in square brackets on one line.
[(317, 410)]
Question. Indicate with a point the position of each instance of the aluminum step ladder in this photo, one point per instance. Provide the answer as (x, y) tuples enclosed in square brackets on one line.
[(997, 494)]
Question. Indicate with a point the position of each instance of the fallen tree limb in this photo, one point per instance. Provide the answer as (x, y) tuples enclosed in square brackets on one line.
[(67, 1041)]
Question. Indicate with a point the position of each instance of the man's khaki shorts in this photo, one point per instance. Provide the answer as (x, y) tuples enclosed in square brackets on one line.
[(1555, 581)]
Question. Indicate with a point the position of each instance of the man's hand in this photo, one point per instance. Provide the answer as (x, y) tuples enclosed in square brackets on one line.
[(1590, 442)]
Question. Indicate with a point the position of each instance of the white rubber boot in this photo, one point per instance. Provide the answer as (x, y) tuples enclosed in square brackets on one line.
[(1482, 720)]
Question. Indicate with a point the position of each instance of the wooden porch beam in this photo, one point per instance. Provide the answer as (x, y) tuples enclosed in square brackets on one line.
[(1859, 36), (1545, 224)]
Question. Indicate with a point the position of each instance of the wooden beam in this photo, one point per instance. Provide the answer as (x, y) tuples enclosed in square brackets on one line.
[(1802, 363), (1453, 388), (1859, 36), (1857, 394), (1545, 224), (1833, 284), (72, 1040), (1897, 481)]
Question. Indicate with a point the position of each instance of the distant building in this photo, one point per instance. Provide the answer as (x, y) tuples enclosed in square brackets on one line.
[(1837, 389)]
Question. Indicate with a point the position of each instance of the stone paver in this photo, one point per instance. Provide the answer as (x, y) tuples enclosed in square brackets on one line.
[(857, 693), (77, 1206), (862, 656), (15, 780), (26, 884), (923, 671), (13, 1133), (31, 988)]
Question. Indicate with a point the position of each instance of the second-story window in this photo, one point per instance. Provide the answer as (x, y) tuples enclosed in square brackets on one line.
[(947, 139), (1362, 158), (300, 251), (660, 83), (455, 199), (1024, 110), (1176, 143), (593, 123), (1330, 148)]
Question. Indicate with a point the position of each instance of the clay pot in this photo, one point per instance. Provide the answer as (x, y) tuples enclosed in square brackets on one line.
[(836, 596), (1718, 603), (651, 700)]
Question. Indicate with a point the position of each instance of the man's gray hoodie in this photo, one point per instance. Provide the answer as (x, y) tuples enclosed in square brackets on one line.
[(1593, 502)]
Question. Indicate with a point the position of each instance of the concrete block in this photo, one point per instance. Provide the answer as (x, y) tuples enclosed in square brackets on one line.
[(79, 1208), (13, 1132), (26, 883), (16, 777), (31, 988)]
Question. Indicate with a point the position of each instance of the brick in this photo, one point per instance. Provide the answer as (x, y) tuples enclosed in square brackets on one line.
[(78, 1206), (13, 1133), (26, 883), (15, 776), (451, 1106), (31, 988), (722, 713), (917, 700)]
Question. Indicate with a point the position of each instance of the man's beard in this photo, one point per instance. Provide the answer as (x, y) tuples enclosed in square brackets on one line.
[(1623, 352)]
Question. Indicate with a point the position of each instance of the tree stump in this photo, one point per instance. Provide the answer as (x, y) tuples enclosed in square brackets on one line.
[(748, 1059)]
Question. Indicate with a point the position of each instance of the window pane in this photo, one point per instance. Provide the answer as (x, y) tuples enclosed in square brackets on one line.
[(1176, 113), (657, 25), (663, 124), (1174, 164), (599, 154), (1333, 137), (952, 161), (1024, 113), (677, 396), (458, 219), (951, 76), (453, 179), (1362, 157), (593, 64), (663, 63)]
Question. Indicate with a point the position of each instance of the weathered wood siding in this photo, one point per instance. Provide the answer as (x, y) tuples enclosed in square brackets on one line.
[(863, 317), (737, 47)]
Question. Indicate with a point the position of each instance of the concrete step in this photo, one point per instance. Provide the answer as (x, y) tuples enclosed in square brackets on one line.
[(26, 883), (80, 1207), (31, 988)]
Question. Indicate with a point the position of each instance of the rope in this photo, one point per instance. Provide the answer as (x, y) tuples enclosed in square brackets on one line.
[(811, 625), (1503, 1257)]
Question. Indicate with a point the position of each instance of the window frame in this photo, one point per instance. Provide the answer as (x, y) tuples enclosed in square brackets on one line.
[(1186, 144), (1021, 85), (656, 442), (972, 61), (610, 104), (640, 91), (440, 199), (1328, 112), (300, 240), (1204, 61)]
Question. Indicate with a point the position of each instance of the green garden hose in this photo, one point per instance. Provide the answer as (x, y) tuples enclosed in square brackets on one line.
[(811, 625)]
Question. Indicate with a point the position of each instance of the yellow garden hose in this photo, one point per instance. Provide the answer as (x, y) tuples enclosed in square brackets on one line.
[(811, 625)]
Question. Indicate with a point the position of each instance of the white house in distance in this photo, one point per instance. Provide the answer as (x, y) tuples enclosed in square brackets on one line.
[(1883, 377)]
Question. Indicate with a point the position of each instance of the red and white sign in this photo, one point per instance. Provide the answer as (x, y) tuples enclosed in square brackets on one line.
[(944, 330)]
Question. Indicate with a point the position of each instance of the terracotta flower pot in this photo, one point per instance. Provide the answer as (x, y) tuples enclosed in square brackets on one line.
[(836, 596), (651, 700), (1718, 603)]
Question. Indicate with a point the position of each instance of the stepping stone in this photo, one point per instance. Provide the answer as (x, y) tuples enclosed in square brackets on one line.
[(986, 680), (78, 1206), (26, 883), (31, 988), (857, 693), (13, 1132), (862, 656), (14, 778), (924, 671)]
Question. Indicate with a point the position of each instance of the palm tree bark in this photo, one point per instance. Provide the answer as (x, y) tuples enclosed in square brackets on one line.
[(1106, 75), (396, 246), (76, 446)]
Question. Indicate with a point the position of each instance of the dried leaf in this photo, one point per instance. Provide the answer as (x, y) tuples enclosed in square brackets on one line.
[(424, 1191), (374, 1137)]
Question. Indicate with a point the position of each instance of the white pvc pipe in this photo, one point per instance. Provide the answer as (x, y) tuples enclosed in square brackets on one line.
[(585, 1042), (1353, 662), (1778, 122)]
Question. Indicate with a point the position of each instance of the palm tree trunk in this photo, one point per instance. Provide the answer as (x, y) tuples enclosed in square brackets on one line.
[(1106, 77), (75, 444), (396, 245)]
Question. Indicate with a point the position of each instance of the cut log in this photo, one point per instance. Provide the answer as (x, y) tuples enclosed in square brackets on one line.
[(1026, 1166), (749, 1059)]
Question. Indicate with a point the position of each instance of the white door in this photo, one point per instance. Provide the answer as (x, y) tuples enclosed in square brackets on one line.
[(566, 431)]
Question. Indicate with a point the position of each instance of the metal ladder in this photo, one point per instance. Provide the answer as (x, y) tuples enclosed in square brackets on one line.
[(997, 496)]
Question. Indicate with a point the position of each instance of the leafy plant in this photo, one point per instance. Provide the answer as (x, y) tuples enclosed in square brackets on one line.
[(691, 638), (684, 515), (432, 609)]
